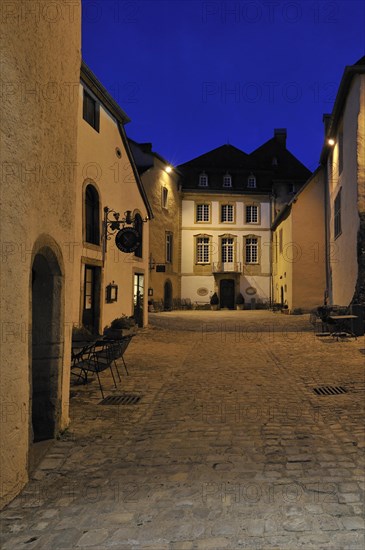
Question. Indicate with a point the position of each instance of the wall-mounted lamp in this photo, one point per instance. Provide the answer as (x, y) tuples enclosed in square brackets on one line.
[(111, 293), (331, 142), (168, 169)]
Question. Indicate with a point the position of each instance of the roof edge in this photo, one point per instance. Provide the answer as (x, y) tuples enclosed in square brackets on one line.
[(349, 72), (89, 78)]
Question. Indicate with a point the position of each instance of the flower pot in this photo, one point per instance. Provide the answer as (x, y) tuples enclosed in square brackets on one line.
[(240, 306), (214, 307), (113, 333)]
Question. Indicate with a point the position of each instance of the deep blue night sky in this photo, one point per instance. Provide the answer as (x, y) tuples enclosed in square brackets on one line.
[(193, 75)]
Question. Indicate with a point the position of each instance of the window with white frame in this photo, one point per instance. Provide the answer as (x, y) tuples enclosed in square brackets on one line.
[(252, 213), (251, 181), (227, 213), (227, 180), (337, 215), (251, 253), (203, 180), (227, 249), (203, 212), (203, 249), (169, 241), (164, 197)]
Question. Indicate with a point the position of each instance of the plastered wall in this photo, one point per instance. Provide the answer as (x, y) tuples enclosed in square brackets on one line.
[(113, 178), (38, 147)]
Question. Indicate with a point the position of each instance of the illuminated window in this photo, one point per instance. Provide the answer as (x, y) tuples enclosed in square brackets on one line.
[(227, 213), (203, 250), (337, 215), (227, 180), (252, 213), (202, 212), (203, 180), (251, 253), (227, 249)]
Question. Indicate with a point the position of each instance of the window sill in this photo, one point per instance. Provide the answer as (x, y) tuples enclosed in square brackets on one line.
[(92, 246), (338, 235)]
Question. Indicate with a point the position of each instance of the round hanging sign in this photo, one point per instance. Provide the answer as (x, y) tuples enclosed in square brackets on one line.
[(127, 240)]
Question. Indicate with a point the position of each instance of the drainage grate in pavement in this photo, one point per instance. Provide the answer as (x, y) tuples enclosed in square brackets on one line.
[(329, 390), (125, 399)]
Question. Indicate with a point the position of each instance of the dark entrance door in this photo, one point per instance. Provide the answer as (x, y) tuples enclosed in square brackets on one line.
[(227, 293), (46, 344), (91, 307), (167, 296)]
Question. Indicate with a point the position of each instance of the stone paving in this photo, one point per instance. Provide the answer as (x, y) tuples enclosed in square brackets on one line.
[(228, 448)]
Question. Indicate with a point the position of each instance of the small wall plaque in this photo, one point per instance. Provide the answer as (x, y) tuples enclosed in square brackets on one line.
[(251, 290), (202, 291)]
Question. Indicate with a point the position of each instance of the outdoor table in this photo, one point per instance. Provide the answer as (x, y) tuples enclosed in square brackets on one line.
[(341, 323)]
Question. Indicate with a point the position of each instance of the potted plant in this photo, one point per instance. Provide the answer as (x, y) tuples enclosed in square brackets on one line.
[(81, 334), (114, 331), (214, 301), (240, 301)]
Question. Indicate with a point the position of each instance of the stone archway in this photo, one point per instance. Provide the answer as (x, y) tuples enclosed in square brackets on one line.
[(167, 296), (47, 344)]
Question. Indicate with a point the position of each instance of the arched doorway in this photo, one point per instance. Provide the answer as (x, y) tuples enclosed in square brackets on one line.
[(167, 296), (47, 345)]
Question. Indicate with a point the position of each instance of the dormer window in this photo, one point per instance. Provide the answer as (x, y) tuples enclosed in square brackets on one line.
[(274, 162), (227, 180), (203, 180), (251, 181)]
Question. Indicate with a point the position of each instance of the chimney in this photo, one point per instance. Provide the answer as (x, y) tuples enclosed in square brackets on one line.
[(280, 135), (146, 147)]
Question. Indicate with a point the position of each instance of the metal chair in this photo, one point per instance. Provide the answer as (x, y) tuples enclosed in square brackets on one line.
[(117, 350), (97, 360)]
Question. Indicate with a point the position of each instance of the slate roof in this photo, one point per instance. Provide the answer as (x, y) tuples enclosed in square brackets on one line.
[(237, 163)]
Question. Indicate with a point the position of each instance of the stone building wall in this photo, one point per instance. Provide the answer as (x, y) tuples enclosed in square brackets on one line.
[(166, 220), (359, 295), (40, 75)]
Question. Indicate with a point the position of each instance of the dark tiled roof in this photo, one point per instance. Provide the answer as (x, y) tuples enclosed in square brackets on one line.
[(229, 159)]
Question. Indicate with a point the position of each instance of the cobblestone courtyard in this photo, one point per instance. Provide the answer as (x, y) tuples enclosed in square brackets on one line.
[(229, 446)]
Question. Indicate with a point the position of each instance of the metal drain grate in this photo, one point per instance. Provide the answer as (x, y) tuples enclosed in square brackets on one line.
[(125, 399), (329, 390)]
